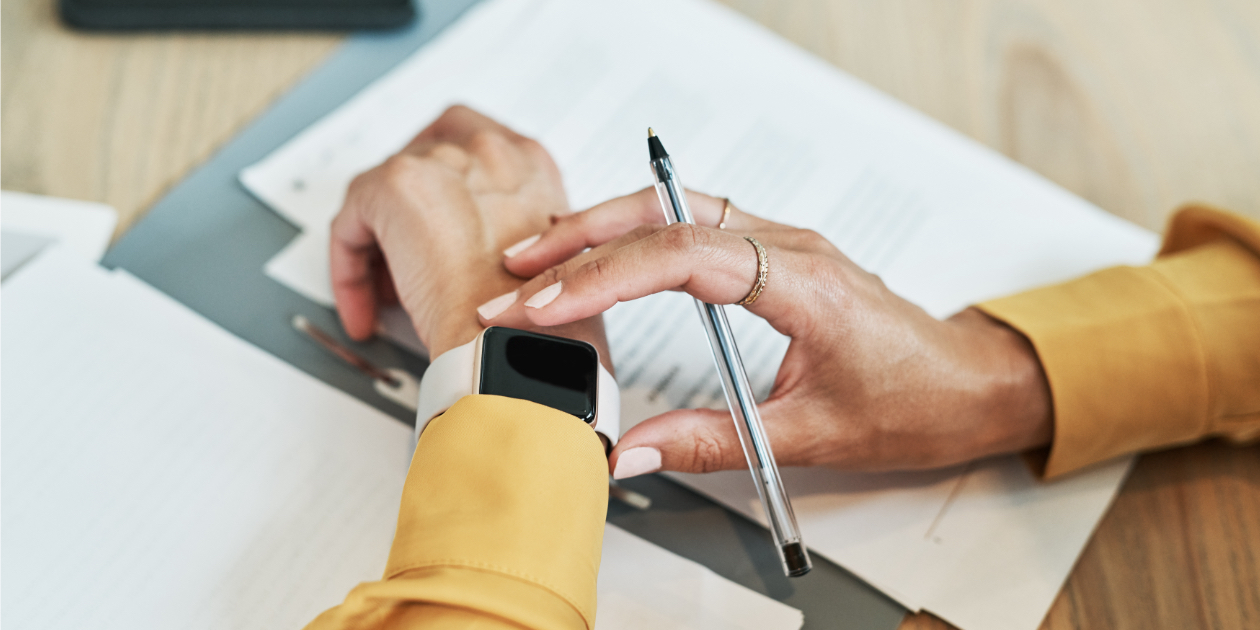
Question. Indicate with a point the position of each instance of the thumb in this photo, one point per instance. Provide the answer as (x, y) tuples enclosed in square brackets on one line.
[(685, 440)]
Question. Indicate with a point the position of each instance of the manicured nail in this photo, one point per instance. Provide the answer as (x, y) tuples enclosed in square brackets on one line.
[(521, 246), (544, 297), (639, 460), (495, 307)]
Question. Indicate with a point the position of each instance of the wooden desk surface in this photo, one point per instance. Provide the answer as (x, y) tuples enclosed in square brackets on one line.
[(1136, 105)]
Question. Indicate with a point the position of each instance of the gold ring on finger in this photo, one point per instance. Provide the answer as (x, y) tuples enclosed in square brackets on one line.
[(763, 270)]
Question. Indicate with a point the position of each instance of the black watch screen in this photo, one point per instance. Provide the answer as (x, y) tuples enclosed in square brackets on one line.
[(553, 371)]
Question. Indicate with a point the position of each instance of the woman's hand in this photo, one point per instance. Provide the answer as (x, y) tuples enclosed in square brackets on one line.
[(428, 228), (870, 381)]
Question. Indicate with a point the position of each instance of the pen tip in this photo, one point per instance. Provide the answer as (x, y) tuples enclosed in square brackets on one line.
[(655, 149)]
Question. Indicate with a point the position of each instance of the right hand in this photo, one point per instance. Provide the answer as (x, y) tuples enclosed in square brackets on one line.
[(870, 381)]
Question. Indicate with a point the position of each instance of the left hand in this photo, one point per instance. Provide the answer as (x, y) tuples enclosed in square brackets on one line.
[(430, 224)]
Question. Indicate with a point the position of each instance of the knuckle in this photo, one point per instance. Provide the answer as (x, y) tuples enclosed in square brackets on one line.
[(488, 141), (707, 453), (361, 182), (455, 111), (600, 268), (682, 236), (399, 171), (399, 167), (814, 238), (446, 154), (532, 147), (550, 276), (811, 241)]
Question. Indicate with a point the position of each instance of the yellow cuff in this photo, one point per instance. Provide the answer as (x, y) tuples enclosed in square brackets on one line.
[(451, 597), (510, 490), (1124, 361)]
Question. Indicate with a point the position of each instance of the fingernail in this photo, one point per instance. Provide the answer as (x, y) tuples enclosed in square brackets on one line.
[(521, 246), (495, 307), (544, 297), (639, 460)]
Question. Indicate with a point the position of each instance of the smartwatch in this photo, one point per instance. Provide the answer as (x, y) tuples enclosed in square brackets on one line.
[(563, 374)]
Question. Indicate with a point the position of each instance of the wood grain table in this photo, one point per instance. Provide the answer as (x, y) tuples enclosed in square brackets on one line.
[(1136, 105)]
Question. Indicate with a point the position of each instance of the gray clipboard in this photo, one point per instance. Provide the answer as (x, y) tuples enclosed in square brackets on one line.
[(205, 244)]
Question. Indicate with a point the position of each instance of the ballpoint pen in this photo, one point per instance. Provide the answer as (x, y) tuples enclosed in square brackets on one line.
[(739, 397)]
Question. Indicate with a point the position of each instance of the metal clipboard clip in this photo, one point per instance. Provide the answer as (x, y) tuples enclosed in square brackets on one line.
[(396, 385)]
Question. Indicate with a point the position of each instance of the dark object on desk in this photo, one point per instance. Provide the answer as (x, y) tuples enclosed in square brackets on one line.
[(335, 15)]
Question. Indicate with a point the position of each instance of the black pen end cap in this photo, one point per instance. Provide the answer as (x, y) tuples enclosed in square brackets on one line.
[(655, 149), (796, 559)]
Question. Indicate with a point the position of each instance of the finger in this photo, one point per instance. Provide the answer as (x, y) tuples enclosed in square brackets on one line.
[(609, 220), (354, 261), (570, 234), (509, 310), (713, 266), (704, 440), (685, 440)]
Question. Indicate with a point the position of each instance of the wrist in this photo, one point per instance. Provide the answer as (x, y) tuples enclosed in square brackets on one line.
[(451, 333), (1014, 401)]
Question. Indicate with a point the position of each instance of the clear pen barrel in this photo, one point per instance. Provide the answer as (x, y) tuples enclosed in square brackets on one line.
[(739, 398)]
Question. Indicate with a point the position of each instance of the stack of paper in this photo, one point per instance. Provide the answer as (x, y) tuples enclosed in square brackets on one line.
[(162, 473), (943, 220), (31, 222)]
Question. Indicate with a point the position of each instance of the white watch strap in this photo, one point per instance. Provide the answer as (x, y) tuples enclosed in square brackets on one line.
[(608, 407), (450, 377)]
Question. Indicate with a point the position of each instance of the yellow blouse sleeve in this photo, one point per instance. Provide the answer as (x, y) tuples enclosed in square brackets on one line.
[(501, 525), (1140, 358)]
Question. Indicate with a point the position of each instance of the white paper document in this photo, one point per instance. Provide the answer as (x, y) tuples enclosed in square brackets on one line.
[(943, 220), (159, 472), (28, 223), (644, 586), (957, 542)]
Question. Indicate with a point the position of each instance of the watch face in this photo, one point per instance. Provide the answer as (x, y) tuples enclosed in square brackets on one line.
[(553, 371)]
